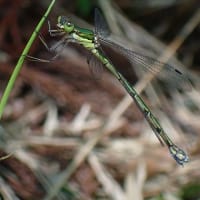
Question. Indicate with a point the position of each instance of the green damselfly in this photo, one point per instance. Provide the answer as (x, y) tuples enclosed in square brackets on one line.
[(92, 40)]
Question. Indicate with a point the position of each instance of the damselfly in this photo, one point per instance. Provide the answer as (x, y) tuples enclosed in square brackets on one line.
[(92, 41)]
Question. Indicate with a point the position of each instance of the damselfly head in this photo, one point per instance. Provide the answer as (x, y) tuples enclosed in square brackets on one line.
[(65, 24)]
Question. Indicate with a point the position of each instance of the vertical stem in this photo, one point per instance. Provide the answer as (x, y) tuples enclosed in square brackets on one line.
[(20, 62)]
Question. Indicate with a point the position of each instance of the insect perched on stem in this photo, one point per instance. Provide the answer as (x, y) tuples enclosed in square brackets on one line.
[(92, 41)]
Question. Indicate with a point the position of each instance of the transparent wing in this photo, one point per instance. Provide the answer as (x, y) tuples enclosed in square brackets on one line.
[(95, 66), (166, 72), (101, 26)]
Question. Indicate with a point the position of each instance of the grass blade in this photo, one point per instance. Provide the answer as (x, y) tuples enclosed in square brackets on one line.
[(21, 60)]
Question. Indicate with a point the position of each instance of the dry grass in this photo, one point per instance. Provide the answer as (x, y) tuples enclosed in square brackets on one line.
[(67, 130)]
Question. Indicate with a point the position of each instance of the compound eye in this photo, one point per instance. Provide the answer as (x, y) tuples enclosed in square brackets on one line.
[(63, 20), (65, 24)]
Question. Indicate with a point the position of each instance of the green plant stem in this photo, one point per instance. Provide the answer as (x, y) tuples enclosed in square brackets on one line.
[(21, 60)]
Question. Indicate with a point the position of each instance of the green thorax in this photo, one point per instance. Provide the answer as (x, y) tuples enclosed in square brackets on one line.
[(70, 28), (84, 33)]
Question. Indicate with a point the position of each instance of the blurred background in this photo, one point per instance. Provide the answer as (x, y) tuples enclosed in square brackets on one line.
[(73, 132)]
